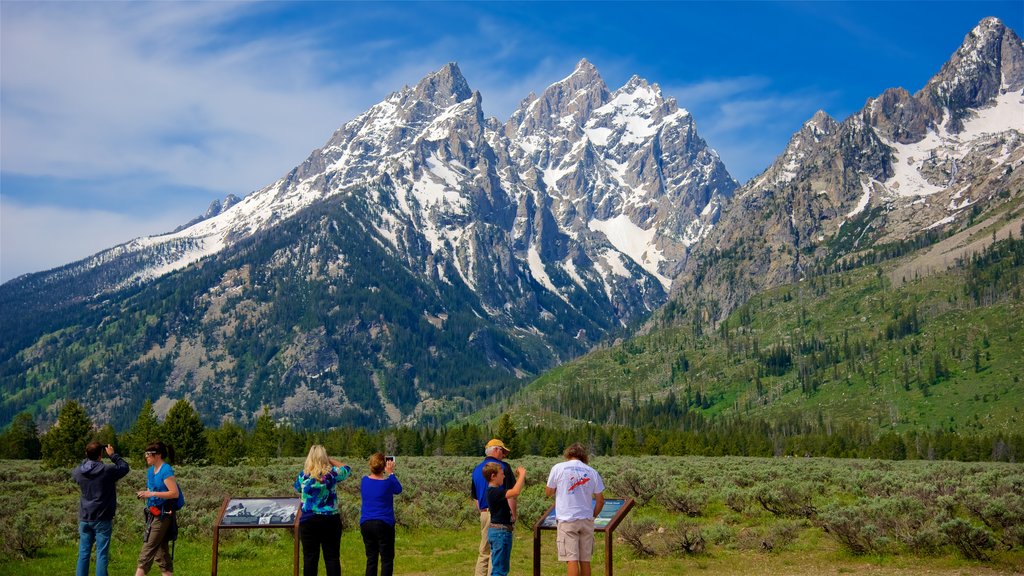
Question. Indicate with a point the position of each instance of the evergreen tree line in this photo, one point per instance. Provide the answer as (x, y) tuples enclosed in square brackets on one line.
[(63, 444)]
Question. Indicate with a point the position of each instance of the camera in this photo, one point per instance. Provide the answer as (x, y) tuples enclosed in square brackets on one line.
[(389, 458)]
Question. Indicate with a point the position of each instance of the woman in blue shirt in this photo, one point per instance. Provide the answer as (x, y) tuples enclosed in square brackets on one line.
[(161, 487), (377, 521), (320, 523)]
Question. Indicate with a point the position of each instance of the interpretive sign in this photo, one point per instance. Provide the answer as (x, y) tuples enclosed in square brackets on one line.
[(612, 513), (238, 513)]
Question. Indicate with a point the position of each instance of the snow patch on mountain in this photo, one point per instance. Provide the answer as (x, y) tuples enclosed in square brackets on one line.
[(908, 180), (570, 268), (540, 274), (633, 241), (1006, 114)]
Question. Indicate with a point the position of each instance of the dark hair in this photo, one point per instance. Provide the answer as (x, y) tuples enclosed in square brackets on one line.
[(166, 452), (93, 450), (576, 451), (376, 463), (491, 470)]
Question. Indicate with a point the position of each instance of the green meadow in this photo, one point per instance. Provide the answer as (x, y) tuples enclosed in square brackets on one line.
[(726, 515)]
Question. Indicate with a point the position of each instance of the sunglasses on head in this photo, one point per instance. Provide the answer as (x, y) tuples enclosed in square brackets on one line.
[(150, 453)]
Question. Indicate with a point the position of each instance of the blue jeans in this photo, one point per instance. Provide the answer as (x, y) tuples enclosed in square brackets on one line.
[(88, 532), (501, 550)]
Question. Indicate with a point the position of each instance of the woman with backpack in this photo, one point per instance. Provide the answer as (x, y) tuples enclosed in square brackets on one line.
[(161, 496)]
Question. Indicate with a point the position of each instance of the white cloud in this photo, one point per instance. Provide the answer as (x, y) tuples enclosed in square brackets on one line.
[(36, 238), (744, 120), (93, 90), (715, 90)]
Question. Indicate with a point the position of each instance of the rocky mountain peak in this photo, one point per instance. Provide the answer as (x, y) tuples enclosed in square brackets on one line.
[(443, 87), (990, 62), (585, 72), (821, 122), (568, 102), (636, 82)]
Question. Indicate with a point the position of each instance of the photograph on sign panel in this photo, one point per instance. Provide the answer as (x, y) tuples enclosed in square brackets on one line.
[(260, 512)]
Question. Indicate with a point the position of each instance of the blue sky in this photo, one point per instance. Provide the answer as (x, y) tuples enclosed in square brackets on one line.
[(125, 119)]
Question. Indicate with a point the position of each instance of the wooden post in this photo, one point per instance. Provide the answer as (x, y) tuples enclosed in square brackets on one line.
[(295, 538), (216, 536), (609, 566), (536, 551)]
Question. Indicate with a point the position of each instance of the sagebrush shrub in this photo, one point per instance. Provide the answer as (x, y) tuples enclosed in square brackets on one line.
[(973, 542)]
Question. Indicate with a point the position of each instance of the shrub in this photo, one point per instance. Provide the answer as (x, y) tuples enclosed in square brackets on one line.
[(971, 541), (852, 528), (1000, 513), (770, 539), (787, 498), (689, 502), (631, 483), (24, 536), (686, 538), (737, 499), (636, 534)]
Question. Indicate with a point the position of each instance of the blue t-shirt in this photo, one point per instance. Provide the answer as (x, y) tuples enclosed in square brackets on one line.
[(379, 499), (156, 482), (479, 486)]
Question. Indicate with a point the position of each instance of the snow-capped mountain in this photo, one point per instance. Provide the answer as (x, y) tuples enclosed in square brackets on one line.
[(541, 235), (587, 188), (427, 259), (901, 167)]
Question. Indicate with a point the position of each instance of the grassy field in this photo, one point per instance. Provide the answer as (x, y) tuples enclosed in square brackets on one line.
[(739, 515)]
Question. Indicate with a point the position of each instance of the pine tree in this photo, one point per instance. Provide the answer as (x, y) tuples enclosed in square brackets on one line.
[(507, 433), (64, 443), (145, 430), (106, 435), (183, 430), (21, 439), (263, 446), (227, 444)]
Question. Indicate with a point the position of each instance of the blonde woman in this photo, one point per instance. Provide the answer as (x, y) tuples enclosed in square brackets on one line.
[(320, 523)]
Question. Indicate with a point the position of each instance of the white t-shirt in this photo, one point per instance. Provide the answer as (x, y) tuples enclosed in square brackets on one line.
[(575, 484)]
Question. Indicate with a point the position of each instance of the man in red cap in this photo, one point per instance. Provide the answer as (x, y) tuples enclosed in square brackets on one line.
[(494, 451)]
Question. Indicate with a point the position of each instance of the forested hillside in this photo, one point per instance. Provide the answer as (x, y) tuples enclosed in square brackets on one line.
[(848, 348)]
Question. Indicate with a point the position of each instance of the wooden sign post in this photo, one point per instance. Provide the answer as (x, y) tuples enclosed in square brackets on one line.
[(248, 513), (613, 512)]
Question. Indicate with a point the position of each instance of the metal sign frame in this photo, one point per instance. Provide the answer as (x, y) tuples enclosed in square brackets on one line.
[(612, 514), (249, 513)]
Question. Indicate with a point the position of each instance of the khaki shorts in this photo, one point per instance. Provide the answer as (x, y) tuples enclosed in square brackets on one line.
[(575, 540)]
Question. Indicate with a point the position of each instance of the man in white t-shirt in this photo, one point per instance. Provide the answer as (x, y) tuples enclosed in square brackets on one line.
[(579, 496)]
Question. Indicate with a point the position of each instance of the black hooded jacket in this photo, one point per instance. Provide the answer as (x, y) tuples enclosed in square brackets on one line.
[(99, 488)]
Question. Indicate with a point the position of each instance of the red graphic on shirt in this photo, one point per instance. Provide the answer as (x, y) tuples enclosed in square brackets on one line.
[(579, 483)]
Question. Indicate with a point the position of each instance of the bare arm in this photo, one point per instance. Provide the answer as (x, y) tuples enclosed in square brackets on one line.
[(515, 490), (549, 491), (598, 503)]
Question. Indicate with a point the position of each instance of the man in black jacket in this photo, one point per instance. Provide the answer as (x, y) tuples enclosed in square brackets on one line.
[(97, 505)]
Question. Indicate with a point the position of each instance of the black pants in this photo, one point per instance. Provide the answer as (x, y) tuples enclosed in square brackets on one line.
[(379, 540), (321, 532)]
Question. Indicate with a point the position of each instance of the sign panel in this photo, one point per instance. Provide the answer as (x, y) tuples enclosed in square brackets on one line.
[(242, 512), (611, 508)]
